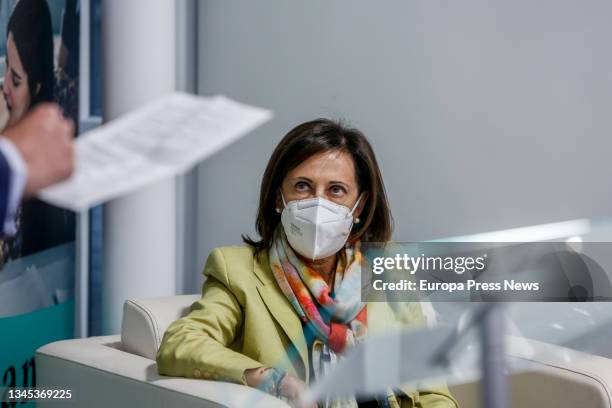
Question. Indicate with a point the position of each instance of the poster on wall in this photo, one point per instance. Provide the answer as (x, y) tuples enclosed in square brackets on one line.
[(39, 63)]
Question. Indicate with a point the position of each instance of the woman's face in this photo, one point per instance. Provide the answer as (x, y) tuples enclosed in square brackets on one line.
[(330, 175), (15, 87)]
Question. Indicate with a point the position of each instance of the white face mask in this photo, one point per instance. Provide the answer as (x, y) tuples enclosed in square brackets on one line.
[(316, 227)]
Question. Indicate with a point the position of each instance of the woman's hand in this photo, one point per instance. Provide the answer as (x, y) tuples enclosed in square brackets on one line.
[(291, 387), (255, 376)]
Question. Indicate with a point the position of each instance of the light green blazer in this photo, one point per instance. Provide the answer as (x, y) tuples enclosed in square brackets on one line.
[(244, 320)]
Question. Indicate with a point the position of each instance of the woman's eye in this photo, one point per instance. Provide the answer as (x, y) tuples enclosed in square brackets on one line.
[(337, 190), (301, 186)]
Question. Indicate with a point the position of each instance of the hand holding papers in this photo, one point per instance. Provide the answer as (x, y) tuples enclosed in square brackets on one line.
[(162, 139)]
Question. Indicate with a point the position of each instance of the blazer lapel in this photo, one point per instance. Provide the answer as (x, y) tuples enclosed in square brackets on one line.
[(281, 310)]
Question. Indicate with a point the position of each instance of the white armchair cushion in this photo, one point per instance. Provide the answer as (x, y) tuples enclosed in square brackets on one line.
[(145, 321)]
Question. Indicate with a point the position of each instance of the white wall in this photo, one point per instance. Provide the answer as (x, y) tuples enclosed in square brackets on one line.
[(484, 114)]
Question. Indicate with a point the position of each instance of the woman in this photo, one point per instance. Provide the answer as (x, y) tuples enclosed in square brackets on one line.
[(275, 313), (29, 76), (29, 80)]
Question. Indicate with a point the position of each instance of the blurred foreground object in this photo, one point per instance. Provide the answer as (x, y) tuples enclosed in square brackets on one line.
[(541, 374), (162, 139)]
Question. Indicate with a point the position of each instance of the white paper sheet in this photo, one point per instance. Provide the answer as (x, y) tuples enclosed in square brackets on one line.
[(162, 139)]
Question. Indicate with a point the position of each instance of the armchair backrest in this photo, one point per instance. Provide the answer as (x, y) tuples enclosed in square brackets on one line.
[(145, 321)]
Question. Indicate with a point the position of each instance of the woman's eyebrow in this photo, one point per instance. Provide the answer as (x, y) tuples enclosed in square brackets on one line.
[(338, 182), (15, 74), (303, 178)]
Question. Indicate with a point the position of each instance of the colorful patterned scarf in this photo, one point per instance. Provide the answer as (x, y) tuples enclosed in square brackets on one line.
[(337, 317)]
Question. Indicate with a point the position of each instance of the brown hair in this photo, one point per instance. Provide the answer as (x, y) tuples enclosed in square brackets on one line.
[(30, 24), (315, 137)]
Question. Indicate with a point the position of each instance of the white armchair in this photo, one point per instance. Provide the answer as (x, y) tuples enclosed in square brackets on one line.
[(120, 371)]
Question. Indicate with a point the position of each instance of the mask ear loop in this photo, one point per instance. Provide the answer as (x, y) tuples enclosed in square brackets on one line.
[(352, 211), (283, 198), (356, 204)]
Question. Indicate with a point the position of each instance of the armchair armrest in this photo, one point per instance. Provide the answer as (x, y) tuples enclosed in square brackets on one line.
[(556, 377), (100, 374)]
